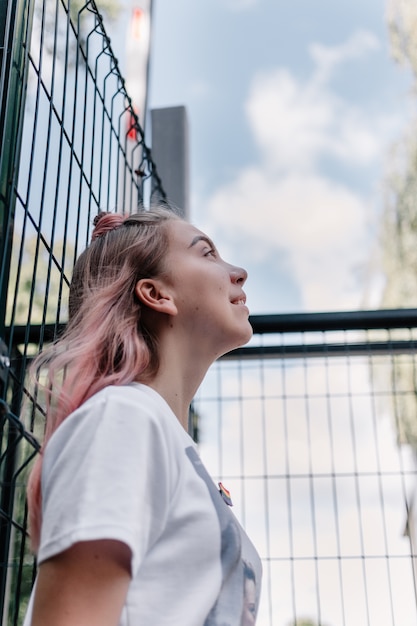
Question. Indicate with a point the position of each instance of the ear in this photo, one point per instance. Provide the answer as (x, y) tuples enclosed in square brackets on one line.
[(155, 296)]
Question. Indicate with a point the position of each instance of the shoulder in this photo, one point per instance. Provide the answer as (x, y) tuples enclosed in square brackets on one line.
[(120, 430), (137, 397), (123, 417), (102, 464), (115, 407)]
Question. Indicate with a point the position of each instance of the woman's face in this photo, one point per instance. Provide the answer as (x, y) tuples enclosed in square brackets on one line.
[(249, 604), (208, 292)]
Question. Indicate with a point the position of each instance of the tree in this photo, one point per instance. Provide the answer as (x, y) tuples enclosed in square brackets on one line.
[(37, 290), (51, 19), (399, 224), (402, 26)]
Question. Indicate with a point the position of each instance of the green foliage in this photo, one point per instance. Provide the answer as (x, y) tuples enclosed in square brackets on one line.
[(61, 36), (402, 26), (109, 9), (37, 291), (399, 227)]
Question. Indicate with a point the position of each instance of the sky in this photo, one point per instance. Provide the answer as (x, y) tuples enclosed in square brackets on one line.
[(293, 106)]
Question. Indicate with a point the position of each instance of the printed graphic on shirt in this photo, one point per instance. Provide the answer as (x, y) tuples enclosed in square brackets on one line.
[(236, 604)]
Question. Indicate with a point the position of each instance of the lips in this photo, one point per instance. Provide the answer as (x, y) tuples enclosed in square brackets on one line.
[(239, 300)]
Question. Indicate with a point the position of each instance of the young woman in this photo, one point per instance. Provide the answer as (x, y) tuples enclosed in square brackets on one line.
[(128, 527)]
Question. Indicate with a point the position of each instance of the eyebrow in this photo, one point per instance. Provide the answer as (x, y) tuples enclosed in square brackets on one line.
[(198, 238)]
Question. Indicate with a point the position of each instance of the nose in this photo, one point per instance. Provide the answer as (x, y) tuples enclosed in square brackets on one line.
[(238, 275)]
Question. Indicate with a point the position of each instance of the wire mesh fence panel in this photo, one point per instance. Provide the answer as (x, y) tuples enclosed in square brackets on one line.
[(319, 456), (17, 450), (82, 151)]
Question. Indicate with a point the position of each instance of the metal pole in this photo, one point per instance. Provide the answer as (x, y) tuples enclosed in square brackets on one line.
[(15, 31)]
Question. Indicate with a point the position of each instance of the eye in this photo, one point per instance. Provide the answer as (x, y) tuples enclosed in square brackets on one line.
[(211, 252)]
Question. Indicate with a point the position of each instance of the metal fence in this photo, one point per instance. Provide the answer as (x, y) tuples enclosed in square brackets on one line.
[(71, 144), (313, 430)]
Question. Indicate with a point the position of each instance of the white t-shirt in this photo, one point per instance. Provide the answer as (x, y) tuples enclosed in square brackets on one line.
[(122, 467)]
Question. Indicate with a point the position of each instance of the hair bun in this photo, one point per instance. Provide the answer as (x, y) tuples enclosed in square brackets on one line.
[(105, 222)]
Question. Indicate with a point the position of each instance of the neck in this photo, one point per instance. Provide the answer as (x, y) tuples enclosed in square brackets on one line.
[(180, 373)]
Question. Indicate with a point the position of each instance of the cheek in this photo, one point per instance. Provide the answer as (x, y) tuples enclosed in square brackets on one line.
[(223, 283)]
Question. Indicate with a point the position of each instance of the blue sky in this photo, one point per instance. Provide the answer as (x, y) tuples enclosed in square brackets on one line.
[(293, 107)]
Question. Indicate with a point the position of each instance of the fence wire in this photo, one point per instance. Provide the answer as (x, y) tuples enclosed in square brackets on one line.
[(71, 144), (83, 150), (318, 452)]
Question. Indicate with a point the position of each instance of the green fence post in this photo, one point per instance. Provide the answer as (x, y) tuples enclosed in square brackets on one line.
[(15, 31)]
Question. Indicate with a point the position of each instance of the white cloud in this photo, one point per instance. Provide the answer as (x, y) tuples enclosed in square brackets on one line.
[(296, 123), (327, 58), (289, 123), (320, 225), (287, 202)]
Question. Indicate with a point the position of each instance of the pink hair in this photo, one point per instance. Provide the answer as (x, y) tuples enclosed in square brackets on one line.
[(105, 342)]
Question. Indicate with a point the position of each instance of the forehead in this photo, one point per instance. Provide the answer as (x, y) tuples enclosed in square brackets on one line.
[(182, 234)]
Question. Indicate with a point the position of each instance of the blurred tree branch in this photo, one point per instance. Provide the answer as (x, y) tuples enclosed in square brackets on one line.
[(399, 225), (402, 26), (53, 17)]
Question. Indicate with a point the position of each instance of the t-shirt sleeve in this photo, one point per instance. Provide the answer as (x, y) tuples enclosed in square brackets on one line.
[(105, 475)]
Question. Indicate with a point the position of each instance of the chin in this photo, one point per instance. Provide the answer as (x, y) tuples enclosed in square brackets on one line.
[(235, 339), (249, 333), (244, 337)]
